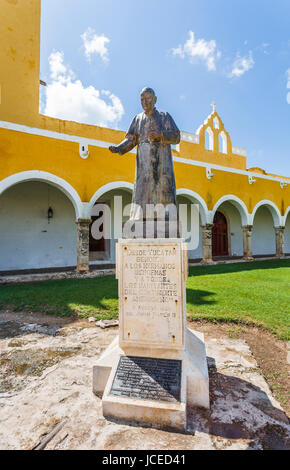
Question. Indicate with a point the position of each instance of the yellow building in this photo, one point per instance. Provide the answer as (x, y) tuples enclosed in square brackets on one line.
[(53, 172)]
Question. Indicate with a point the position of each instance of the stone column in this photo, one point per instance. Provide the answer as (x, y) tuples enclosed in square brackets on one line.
[(83, 245), (247, 241), (207, 243), (279, 231)]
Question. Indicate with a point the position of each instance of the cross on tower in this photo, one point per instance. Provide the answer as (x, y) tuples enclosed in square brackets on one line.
[(213, 107)]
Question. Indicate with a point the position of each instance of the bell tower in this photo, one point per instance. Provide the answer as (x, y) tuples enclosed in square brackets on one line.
[(19, 60)]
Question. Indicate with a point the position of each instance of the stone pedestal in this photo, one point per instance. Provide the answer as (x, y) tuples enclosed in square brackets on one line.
[(156, 367), (279, 231), (247, 242)]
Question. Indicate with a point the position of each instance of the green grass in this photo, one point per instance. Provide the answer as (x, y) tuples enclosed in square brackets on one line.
[(251, 293), (85, 297)]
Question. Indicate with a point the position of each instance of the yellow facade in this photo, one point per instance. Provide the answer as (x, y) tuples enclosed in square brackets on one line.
[(31, 142)]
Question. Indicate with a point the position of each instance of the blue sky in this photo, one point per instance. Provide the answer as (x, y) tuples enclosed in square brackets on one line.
[(96, 56)]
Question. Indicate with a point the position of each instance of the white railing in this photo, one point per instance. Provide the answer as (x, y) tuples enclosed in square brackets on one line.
[(189, 137), (239, 150)]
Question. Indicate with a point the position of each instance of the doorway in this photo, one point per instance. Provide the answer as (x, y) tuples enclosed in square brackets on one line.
[(99, 249), (220, 244)]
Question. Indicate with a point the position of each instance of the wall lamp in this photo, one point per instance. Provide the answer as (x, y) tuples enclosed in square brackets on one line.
[(49, 214)]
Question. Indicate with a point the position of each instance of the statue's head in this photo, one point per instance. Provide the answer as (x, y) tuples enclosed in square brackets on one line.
[(148, 99)]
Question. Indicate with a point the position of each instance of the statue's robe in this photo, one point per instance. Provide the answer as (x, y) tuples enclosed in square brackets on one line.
[(154, 179)]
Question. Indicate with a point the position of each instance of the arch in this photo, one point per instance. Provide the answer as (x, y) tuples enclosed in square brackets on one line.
[(238, 203), (277, 219), (49, 178), (109, 187), (223, 138), (109, 252), (284, 218), (208, 132), (204, 213), (286, 225), (220, 236), (216, 122)]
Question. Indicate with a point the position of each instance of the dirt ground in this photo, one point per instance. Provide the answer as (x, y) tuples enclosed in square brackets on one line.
[(271, 353), (46, 380)]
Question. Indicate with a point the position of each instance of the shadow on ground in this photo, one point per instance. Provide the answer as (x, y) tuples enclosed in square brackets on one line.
[(82, 297), (240, 410), (12, 329), (199, 297), (240, 413)]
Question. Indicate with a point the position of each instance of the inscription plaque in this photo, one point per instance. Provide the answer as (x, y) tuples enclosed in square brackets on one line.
[(148, 378), (151, 293)]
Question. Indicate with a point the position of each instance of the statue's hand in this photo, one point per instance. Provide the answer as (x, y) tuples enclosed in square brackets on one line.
[(113, 149), (154, 136)]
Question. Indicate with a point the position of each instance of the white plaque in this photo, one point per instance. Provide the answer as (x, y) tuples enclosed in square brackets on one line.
[(151, 293)]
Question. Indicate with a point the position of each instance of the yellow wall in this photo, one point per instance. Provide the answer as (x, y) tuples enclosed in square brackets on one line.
[(23, 152), (198, 153), (19, 60), (19, 80)]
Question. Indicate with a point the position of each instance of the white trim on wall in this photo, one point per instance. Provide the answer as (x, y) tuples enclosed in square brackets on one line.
[(277, 218), (284, 217), (204, 213), (109, 187), (56, 135), (227, 169), (37, 175), (237, 202), (103, 144)]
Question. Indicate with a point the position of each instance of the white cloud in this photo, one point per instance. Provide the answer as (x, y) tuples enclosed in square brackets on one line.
[(95, 44), (59, 71), (67, 98), (242, 65), (200, 49), (288, 85)]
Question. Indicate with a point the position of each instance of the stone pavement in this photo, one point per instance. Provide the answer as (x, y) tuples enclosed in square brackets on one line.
[(48, 276), (46, 378)]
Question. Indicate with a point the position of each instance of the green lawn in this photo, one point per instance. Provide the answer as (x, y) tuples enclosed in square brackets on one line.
[(256, 292)]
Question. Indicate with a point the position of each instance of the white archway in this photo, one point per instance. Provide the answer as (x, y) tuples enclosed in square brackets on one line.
[(109, 187), (216, 123), (237, 202), (208, 134), (277, 218), (204, 213), (49, 178), (284, 218), (224, 147), (286, 225), (116, 221)]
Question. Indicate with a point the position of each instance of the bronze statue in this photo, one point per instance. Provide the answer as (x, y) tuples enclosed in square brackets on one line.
[(153, 132)]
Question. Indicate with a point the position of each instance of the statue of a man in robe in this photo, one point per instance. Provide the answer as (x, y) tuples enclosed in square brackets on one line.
[(153, 132)]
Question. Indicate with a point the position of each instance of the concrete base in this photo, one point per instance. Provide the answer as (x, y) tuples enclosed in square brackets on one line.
[(194, 383), (163, 414)]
